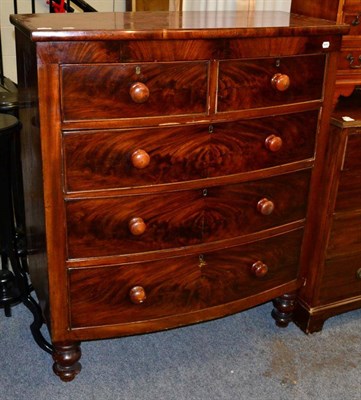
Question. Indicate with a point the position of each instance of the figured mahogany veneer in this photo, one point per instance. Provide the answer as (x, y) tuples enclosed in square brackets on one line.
[(273, 81), (100, 227), (180, 285), (162, 89), (170, 176), (137, 157)]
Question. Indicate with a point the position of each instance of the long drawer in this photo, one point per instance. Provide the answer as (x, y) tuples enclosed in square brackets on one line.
[(345, 237), (148, 290), (341, 279), (139, 157), (141, 223), (107, 91)]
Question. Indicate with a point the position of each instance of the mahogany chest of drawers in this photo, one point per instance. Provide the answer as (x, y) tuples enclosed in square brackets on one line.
[(170, 161)]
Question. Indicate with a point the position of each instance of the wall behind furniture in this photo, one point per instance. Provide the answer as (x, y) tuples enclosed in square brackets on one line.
[(212, 5), (24, 7)]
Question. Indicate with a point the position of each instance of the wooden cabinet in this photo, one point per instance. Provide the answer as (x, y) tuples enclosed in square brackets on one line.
[(341, 11), (336, 287), (169, 169)]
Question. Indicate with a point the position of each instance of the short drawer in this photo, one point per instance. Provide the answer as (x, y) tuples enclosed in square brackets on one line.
[(352, 6), (353, 19), (341, 279), (139, 157), (141, 223), (107, 91), (349, 61), (349, 191), (267, 82), (352, 159), (345, 237), (143, 291)]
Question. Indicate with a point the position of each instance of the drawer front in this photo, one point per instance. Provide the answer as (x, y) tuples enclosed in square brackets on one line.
[(345, 238), (353, 19), (109, 91), (349, 191), (352, 6), (248, 145), (352, 160), (106, 295), (257, 83), (141, 223), (139, 157), (349, 61), (342, 279)]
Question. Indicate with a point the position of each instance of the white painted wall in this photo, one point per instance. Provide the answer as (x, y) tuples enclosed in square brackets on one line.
[(213, 5)]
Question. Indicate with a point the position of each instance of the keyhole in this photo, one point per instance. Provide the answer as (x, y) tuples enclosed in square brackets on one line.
[(202, 262)]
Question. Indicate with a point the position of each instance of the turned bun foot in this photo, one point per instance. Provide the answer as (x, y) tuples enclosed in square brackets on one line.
[(66, 361), (283, 309)]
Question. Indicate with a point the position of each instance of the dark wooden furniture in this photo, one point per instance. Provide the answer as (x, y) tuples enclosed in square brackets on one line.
[(336, 287), (341, 11), (9, 290), (15, 286), (171, 169)]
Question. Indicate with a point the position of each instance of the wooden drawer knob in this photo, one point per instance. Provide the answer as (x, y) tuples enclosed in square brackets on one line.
[(140, 159), (281, 82), (265, 206), (358, 274), (137, 226), (139, 92), (273, 143), (137, 295), (259, 269)]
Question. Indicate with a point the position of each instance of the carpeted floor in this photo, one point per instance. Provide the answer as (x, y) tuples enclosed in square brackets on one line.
[(244, 356)]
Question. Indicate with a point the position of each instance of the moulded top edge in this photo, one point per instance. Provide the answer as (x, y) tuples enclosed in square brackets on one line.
[(170, 25)]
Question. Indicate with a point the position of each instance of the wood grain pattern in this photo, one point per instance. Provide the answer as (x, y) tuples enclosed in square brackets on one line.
[(101, 160), (345, 236), (327, 9), (170, 25), (340, 280), (349, 191), (180, 285), (82, 67), (352, 159), (102, 91), (99, 227), (247, 83)]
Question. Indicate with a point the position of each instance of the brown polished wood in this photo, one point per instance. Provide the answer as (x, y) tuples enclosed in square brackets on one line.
[(337, 287), (259, 269), (281, 82), (159, 135), (340, 11)]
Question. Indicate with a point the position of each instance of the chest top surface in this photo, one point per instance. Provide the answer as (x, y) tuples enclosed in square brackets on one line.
[(170, 25)]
